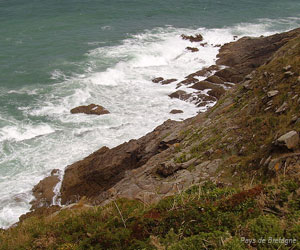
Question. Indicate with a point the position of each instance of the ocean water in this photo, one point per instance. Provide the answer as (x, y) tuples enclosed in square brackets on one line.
[(56, 55)]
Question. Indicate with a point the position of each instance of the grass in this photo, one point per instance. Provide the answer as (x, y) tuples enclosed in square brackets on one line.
[(202, 217)]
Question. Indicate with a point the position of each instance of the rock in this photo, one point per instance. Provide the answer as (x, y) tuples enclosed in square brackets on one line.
[(100, 171), (247, 85), (272, 93), (230, 75), (192, 49), (91, 109), (176, 111), (214, 79), (168, 81), (289, 140), (248, 53), (188, 81), (43, 191), (294, 118), (204, 72), (180, 94), (209, 167), (215, 90), (157, 79), (287, 68), (167, 169), (274, 165), (288, 74), (249, 77), (196, 38), (282, 108)]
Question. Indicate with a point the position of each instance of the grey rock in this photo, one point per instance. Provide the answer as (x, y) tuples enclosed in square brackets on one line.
[(274, 165), (157, 79), (289, 140), (294, 119), (176, 111), (288, 73), (282, 108), (247, 85), (272, 93)]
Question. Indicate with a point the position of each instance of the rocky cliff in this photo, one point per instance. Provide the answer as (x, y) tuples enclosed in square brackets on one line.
[(228, 174), (143, 168)]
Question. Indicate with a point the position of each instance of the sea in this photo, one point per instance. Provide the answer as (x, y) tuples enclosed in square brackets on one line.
[(59, 54)]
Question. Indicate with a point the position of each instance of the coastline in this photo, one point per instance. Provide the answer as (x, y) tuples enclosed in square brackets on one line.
[(100, 178), (228, 178)]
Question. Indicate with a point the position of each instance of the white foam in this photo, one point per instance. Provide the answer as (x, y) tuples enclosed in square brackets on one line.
[(24, 132)]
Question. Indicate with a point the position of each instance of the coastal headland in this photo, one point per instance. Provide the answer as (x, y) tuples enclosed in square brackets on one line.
[(227, 174)]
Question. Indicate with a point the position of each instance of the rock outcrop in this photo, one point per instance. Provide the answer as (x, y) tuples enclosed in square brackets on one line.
[(91, 109), (196, 38), (43, 191), (104, 168)]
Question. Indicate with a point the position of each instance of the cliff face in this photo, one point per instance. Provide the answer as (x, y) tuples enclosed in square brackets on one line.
[(228, 174)]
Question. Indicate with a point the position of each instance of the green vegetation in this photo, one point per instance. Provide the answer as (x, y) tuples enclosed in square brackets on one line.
[(202, 217)]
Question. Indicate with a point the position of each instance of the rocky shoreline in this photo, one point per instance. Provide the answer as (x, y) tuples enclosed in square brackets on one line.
[(213, 181), (161, 163)]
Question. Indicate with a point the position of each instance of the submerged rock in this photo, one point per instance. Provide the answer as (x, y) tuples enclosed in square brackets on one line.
[(180, 94), (192, 49), (157, 79), (168, 81), (196, 38), (176, 111), (91, 109)]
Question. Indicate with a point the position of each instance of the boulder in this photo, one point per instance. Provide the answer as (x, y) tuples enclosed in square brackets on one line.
[(167, 169), (192, 49), (289, 140), (157, 79), (168, 81), (91, 109), (176, 111), (180, 94)]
